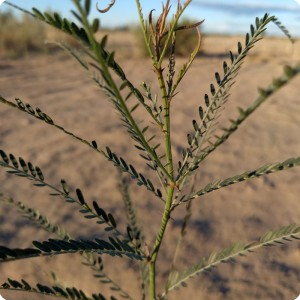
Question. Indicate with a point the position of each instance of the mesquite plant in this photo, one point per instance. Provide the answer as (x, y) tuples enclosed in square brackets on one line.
[(175, 177)]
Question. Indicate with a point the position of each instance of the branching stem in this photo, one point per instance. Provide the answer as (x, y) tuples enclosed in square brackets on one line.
[(113, 86), (171, 186)]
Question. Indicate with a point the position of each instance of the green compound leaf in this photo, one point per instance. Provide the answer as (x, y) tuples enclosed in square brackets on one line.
[(128, 168), (56, 291), (266, 169), (56, 247), (214, 102), (264, 95), (271, 238), (90, 259), (36, 217), (12, 164)]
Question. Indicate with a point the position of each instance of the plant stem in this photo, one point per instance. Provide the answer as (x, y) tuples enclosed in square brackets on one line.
[(159, 238), (167, 123), (113, 86), (171, 185)]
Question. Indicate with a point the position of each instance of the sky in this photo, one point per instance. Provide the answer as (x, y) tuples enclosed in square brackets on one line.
[(222, 17)]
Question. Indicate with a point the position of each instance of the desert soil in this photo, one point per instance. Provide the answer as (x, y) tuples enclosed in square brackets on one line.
[(242, 212)]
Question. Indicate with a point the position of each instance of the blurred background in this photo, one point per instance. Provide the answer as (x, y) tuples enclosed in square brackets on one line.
[(44, 76), (222, 17), (20, 34)]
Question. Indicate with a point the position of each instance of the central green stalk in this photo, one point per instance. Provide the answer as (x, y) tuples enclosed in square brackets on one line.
[(171, 184)]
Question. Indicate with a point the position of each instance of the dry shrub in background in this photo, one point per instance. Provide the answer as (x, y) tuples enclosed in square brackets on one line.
[(20, 36)]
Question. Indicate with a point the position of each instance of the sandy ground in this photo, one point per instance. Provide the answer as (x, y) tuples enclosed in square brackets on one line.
[(61, 88)]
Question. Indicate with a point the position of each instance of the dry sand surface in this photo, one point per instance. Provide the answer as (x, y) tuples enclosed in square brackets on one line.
[(61, 88)]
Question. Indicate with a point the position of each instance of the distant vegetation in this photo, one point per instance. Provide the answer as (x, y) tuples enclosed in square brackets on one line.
[(20, 36), (24, 35)]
